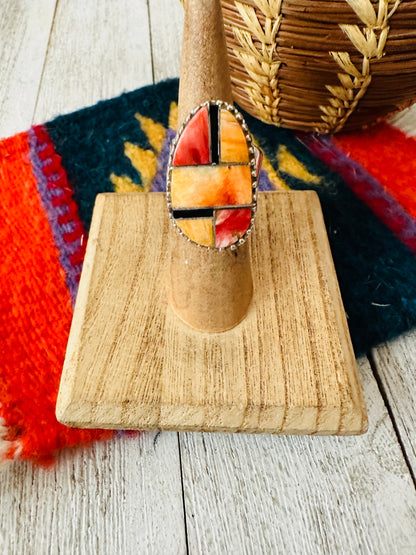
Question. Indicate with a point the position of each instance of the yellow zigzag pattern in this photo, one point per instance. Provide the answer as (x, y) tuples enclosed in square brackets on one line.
[(144, 161), (291, 165)]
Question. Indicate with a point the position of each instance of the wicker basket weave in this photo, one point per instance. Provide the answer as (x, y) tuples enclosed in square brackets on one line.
[(322, 65)]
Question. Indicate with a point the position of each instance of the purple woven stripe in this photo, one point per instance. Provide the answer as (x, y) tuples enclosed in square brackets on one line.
[(264, 182), (159, 181), (365, 186), (53, 211)]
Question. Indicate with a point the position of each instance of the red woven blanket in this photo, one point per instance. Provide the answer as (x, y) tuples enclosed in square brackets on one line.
[(50, 175)]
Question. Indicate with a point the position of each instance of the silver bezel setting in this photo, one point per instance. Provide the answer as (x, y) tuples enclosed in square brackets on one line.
[(252, 164)]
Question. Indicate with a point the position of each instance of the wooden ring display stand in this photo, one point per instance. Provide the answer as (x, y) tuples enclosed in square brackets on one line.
[(209, 290), (286, 363)]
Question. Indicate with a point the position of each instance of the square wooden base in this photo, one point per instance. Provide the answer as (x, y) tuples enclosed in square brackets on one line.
[(132, 364)]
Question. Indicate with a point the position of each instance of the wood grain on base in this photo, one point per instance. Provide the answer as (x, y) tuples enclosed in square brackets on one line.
[(287, 368)]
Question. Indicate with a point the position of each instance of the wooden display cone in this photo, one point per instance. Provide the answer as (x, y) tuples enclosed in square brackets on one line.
[(210, 290), (131, 363)]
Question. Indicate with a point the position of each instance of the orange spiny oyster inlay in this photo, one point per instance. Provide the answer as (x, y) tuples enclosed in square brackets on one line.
[(210, 186), (212, 177)]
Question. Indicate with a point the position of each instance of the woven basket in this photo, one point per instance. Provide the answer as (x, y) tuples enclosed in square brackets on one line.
[(322, 65)]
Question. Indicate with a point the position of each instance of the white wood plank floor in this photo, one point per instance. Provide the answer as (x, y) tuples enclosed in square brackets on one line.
[(192, 493)]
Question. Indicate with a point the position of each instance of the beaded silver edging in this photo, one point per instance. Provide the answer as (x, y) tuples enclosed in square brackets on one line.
[(252, 164)]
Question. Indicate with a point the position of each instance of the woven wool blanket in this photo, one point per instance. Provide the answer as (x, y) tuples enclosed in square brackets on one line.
[(50, 176)]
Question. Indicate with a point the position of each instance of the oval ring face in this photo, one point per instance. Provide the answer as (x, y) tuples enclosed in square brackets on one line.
[(212, 177)]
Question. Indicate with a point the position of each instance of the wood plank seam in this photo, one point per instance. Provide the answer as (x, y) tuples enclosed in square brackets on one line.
[(44, 60), (149, 22), (385, 397), (182, 470)]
